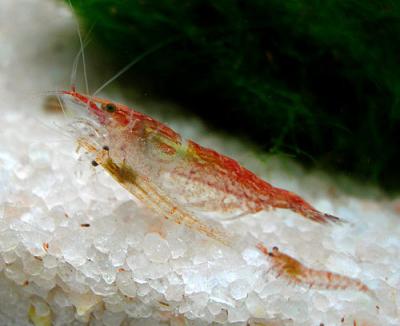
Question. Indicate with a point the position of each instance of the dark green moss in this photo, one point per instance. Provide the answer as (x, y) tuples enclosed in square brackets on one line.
[(316, 79)]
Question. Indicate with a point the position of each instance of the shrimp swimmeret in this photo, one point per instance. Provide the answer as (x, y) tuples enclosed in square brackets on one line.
[(181, 180)]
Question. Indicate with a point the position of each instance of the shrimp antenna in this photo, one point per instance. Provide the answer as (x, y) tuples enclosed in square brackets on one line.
[(83, 60), (82, 53), (75, 66), (135, 61), (75, 63)]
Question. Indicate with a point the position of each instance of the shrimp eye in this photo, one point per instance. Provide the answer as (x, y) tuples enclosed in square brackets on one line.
[(109, 107)]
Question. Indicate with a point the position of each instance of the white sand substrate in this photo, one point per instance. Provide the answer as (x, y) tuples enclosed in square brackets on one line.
[(76, 248)]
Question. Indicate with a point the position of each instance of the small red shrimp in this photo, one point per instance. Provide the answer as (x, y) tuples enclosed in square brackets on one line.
[(295, 272), (180, 179), (199, 178)]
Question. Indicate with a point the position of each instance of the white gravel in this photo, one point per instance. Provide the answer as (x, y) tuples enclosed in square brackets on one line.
[(131, 267)]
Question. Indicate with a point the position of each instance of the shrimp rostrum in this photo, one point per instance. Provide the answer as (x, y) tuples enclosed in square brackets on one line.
[(181, 181)]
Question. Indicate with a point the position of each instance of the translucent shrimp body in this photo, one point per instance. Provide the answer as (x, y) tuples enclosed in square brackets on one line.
[(180, 180), (198, 178)]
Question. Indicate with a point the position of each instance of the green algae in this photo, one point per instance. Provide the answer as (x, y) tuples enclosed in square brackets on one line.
[(319, 80)]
